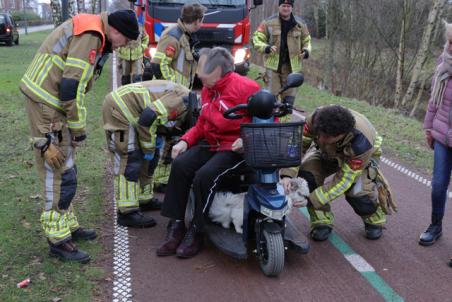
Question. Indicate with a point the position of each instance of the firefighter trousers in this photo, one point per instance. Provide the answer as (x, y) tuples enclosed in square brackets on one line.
[(362, 195), (131, 71), (277, 81), (57, 219)]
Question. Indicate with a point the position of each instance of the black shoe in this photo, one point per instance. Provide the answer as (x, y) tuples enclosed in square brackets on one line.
[(136, 220), (321, 232), (84, 234), (430, 236), (68, 252), (373, 231), (152, 205), (160, 188)]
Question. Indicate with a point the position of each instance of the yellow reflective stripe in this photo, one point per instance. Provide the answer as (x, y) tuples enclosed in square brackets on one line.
[(38, 67), (133, 120), (32, 68), (44, 95), (58, 61), (162, 110), (45, 71), (377, 145), (307, 43), (146, 145), (342, 186), (259, 41), (84, 79)]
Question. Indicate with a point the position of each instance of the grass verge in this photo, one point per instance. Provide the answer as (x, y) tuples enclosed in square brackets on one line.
[(403, 137), (23, 248)]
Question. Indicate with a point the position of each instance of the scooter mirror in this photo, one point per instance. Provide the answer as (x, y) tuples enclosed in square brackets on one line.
[(294, 80), (261, 104)]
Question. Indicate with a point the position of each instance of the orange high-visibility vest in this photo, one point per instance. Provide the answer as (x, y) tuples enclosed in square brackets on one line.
[(87, 22)]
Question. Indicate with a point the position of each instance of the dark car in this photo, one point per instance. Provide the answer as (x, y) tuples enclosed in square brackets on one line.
[(8, 30)]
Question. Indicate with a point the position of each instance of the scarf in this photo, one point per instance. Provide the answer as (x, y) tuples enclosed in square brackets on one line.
[(442, 73)]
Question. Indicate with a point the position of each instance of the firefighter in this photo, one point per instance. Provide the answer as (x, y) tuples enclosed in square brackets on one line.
[(131, 59), (131, 116), (54, 86), (284, 40), (343, 143), (175, 60)]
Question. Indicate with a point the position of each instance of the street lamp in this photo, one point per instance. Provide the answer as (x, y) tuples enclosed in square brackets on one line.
[(25, 17)]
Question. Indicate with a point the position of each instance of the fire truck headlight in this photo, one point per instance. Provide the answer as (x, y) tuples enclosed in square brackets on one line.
[(150, 52), (239, 56)]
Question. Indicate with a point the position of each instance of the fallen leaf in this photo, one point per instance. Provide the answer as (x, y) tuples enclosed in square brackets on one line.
[(35, 197), (56, 299), (41, 276), (25, 224)]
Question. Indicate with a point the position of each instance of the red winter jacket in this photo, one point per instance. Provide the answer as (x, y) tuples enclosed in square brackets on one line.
[(220, 133)]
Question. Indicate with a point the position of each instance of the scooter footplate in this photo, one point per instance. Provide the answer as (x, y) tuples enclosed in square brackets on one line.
[(227, 240), (295, 238)]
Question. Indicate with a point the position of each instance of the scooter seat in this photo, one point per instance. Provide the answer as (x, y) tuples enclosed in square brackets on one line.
[(226, 240)]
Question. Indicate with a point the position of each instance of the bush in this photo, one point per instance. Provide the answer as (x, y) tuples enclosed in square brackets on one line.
[(20, 16)]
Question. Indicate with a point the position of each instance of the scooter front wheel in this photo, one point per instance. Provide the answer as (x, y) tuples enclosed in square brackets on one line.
[(271, 257)]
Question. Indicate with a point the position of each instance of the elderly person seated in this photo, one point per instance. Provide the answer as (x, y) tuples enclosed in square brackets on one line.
[(205, 152)]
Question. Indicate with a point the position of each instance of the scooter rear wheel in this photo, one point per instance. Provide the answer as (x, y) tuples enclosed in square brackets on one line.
[(271, 258)]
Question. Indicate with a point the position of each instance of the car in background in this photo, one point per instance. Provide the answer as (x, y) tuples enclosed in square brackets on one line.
[(8, 29)]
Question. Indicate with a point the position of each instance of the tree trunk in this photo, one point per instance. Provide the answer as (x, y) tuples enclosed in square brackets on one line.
[(57, 16), (418, 98), (401, 57), (332, 25), (422, 54), (71, 11)]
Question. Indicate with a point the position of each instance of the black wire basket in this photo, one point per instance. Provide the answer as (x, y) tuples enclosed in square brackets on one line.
[(275, 145)]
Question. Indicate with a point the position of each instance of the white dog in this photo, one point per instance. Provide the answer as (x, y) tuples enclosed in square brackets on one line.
[(228, 207)]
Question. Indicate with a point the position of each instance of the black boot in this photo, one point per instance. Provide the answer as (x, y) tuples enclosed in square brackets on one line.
[(136, 220), (373, 231), (67, 251), (192, 243), (321, 232), (84, 234), (152, 205), (433, 232), (160, 188), (125, 80)]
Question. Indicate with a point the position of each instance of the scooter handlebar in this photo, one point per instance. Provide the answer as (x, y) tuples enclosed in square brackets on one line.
[(230, 113)]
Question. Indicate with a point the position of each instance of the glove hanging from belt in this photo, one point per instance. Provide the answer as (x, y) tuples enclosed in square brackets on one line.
[(51, 153)]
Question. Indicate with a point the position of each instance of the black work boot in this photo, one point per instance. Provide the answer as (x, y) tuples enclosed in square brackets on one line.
[(321, 232), (136, 219), (152, 205), (373, 231), (191, 244), (84, 234), (125, 80), (433, 232), (175, 232), (160, 188), (68, 251)]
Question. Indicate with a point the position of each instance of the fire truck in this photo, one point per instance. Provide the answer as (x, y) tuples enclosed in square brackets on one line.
[(226, 24)]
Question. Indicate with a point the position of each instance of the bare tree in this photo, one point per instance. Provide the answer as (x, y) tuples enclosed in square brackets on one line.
[(422, 54)]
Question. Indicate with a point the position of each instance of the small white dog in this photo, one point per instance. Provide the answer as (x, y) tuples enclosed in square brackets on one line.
[(228, 207)]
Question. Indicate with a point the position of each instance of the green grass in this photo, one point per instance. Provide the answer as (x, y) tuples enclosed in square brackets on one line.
[(403, 137), (23, 248)]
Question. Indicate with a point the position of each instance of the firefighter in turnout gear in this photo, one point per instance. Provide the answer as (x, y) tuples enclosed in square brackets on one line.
[(131, 115), (131, 59), (342, 143), (285, 41), (54, 86), (176, 60)]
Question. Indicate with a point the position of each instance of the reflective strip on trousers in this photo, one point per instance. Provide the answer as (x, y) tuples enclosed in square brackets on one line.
[(125, 193)]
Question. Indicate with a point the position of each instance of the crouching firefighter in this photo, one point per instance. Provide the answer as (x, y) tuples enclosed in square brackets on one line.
[(55, 84), (342, 143), (131, 116)]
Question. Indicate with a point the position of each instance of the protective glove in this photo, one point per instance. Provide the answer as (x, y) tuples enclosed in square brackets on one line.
[(79, 141), (52, 155), (159, 142), (149, 156)]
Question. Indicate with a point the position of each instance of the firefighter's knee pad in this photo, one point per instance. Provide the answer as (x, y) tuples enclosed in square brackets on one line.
[(134, 161), (136, 78), (68, 188), (310, 179), (125, 79), (362, 205)]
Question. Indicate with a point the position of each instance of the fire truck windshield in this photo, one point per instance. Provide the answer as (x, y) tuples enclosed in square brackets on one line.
[(205, 2)]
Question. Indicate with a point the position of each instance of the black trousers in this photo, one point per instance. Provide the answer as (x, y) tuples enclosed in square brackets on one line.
[(201, 169)]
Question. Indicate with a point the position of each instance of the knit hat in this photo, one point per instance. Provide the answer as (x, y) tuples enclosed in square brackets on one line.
[(290, 2), (125, 21)]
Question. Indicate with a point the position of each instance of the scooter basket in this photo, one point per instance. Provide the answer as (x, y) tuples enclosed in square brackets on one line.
[(273, 145)]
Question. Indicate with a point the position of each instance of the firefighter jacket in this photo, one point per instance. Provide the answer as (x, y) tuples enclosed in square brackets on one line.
[(353, 154), (135, 49), (269, 33), (175, 55), (219, 132), (145, 106), (62, 70)]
